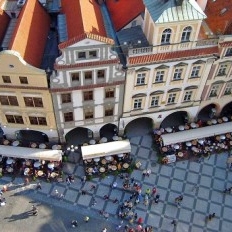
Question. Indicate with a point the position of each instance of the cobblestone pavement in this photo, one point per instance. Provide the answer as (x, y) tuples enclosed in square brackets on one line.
[(200, 183)]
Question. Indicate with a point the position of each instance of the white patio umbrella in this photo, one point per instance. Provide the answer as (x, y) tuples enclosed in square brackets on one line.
[(37, 164), (92, 142), (96, 160), (9, 161), (222, 137), (176, 146), (201, 141), (120, 155), (103, 140), (115, 138), (168, 129), (108, 158), (188, 144)]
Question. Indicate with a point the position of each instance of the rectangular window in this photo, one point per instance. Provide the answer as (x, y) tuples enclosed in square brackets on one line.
[(92, 54), (101, 74), (38, 121), (155, 101), (6, 79), (222, 70), (89, 114), (75, 76), (138, 103), (109, 93), (228, 89), (88, 95), (214, 91), (23, 80), (109, 112), (171, 98), (81, 55), (159, 76), (33, 101), (14, 119), (88, 76), (66, 98), (188, 95), (140, 78), (229, 52), (195, 71), (68, 117), (9, 100), (177, 74)]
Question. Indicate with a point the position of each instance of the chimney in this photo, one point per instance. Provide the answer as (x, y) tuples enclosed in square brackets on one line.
[(202, 4)]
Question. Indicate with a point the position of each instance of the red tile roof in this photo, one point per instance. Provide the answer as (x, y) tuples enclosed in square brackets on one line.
[(124, 11), (82, 16), (87, 64), (84, 36), (226, 44), (4, 21), (219, 17), (172, 56), (30, 34)]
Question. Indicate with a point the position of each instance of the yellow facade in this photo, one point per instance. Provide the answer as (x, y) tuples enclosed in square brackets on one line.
[(25, 98)]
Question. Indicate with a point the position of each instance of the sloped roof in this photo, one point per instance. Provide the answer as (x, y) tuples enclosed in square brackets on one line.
[(164, 11), (219, 16), (4, 21), (30, 35), (82, 17), (86, 36), (172, 56), (123, 12)]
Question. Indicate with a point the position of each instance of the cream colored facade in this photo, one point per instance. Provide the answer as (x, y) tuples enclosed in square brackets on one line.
[(170, 83), (218, 88), (25, 98)]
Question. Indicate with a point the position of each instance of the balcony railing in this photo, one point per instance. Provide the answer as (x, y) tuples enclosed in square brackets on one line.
[(172, 47)]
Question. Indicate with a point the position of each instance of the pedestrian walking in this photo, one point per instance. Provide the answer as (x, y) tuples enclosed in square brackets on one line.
[(86, 219), (106, 197), (74, 223), (106, 216), (140, 220), (114, 185), (148, 191), (68, 181), (148, 172), (174, 222), (38, 186), (83, 192), (83, 179), (135, 216), (154, 190), (132, 180)]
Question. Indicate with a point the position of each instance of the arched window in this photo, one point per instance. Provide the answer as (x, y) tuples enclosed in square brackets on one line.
[(166, 36), (186, 34)]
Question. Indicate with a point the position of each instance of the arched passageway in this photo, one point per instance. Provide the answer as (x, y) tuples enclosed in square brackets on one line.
[(108, 131), (139, 127), (78, 136), (227, 110), (208, 112), (175, 119)]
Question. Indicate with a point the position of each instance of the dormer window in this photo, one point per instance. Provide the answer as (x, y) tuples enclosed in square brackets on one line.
[(186, 34), (229, 52), (166, 36)]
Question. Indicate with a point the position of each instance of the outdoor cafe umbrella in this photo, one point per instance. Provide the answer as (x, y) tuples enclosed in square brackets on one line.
[(188, 144), (9, 161), (96, 160), (108, 158), (92, 142), (37, 164), (103, 140)]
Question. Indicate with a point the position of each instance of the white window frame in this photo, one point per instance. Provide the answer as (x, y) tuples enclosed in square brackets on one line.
[(141, 79), (228, 89), (137, 104), (188, 95), (214, 91), (159, 76), (222, 70), (195, 71), (228, 52), (155, 101), (186, 34), (171, 98), (177, 73), (166, 36)]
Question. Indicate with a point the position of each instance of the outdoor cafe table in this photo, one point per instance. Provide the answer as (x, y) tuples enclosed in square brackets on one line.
[(42, 146), (6, 142), (9, 161), (102, 169), (125, 165), (180, 154), (15, 143)]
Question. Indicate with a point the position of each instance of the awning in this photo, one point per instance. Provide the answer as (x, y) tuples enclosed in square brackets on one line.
[(197, 133), (30, 153), (105, 149)]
